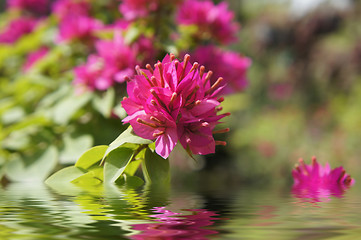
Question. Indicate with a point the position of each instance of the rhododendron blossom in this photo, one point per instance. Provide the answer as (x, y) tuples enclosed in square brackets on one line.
[(314, 181), (16, 29), (229, 65), (175, 102), (212, 20)]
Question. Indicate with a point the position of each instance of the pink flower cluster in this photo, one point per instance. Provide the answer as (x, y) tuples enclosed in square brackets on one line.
[(315, 181), (34, 6), (16, 29), (113, 62), (229, 65), (213, 21), (175, 101)]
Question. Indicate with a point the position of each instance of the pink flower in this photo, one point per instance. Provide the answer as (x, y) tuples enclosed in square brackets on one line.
[(112, 63), (172, 225), (315, 182), (16, 29), (229, 65), (175, 101), (65, 8), (35, 6), (33, 57), (133, 9), (78, 27), (213, 21), (119, 59)]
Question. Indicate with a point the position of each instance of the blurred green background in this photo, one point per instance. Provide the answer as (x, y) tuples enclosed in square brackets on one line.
[(304, 94)]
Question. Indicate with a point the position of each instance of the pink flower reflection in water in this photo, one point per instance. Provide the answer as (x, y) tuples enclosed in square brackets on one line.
[(172, 225), (316, 183)]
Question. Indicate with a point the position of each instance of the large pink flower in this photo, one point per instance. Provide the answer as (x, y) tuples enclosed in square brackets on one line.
[(175, 101), (227, 64), (16, 29), (314, 182), (214, 21)]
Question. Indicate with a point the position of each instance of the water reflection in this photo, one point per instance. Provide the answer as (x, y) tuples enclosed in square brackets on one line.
[(172, 225), (151, 212), (100, 212)]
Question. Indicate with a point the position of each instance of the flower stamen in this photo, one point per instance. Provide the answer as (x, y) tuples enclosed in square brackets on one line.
[(139, 120)]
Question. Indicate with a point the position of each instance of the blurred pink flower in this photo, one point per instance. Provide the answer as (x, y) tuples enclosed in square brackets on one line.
[(16, 29), (172, 225), (78, 27), (65, 8), (132, 9), (34, 6), (175, 101), (213, 21), (119, 58), (112, 63), (35, 56), (230, 65), (315, 182)]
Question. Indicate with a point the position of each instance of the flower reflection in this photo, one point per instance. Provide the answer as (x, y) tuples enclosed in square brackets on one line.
[(171, 225), (316, 183)]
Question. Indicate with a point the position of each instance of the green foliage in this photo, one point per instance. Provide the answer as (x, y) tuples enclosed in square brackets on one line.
[(116, 164), (155, 168)]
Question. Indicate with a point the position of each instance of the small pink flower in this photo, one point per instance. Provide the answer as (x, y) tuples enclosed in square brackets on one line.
[(212, 20), (65, 8), (133, 9), (78, 27), (34, 6), (16, 29), (175, 101), (316, 182), (230, 65), (33, 57)]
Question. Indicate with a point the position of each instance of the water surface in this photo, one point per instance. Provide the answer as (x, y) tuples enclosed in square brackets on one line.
[(35, 211)]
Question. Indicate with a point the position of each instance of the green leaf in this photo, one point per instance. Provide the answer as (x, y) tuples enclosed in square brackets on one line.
[(155, 168), (74, 147), (132, 167), (32, 168), (130, 181), (91, 157), (104, 104), (115, 163), (126, 137), (93, 177), (64, 110), (65, 175)]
